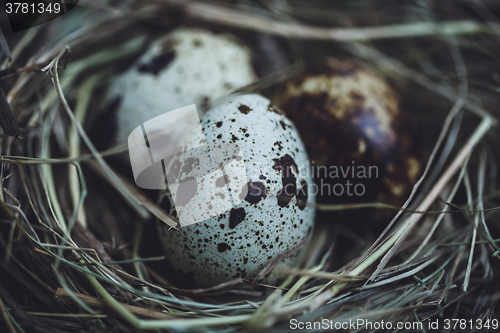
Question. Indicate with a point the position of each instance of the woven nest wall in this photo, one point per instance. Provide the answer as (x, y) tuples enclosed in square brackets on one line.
[(79, 244)]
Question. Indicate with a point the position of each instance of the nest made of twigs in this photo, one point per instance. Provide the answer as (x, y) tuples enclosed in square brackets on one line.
[(73, 255)]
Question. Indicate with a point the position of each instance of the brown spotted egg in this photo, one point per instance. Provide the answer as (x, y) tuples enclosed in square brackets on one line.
[(359, 139), (264, 201), (187, 66)]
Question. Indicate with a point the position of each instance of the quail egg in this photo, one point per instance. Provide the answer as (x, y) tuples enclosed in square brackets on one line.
[(183, 67), (261, 204), (360, 141)]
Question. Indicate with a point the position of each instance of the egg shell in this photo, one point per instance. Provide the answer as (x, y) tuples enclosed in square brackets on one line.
[(267, 221), (347, 115), (187, 66)]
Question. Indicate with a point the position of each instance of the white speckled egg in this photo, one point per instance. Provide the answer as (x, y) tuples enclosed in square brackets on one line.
[(269, 211), (187, 66)]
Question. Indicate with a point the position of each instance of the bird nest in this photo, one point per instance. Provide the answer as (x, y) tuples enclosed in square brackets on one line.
[(79, 245)]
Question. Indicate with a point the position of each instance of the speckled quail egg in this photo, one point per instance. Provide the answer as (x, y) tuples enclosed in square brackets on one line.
[(360, 141), (262, 201), (183, 67)]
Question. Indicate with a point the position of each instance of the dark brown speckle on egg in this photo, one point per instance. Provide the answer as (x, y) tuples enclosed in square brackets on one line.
[(255, 192), (236, 216), (302, 195), (157, 64), (223, 247), (187, 190), (244, 109)]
